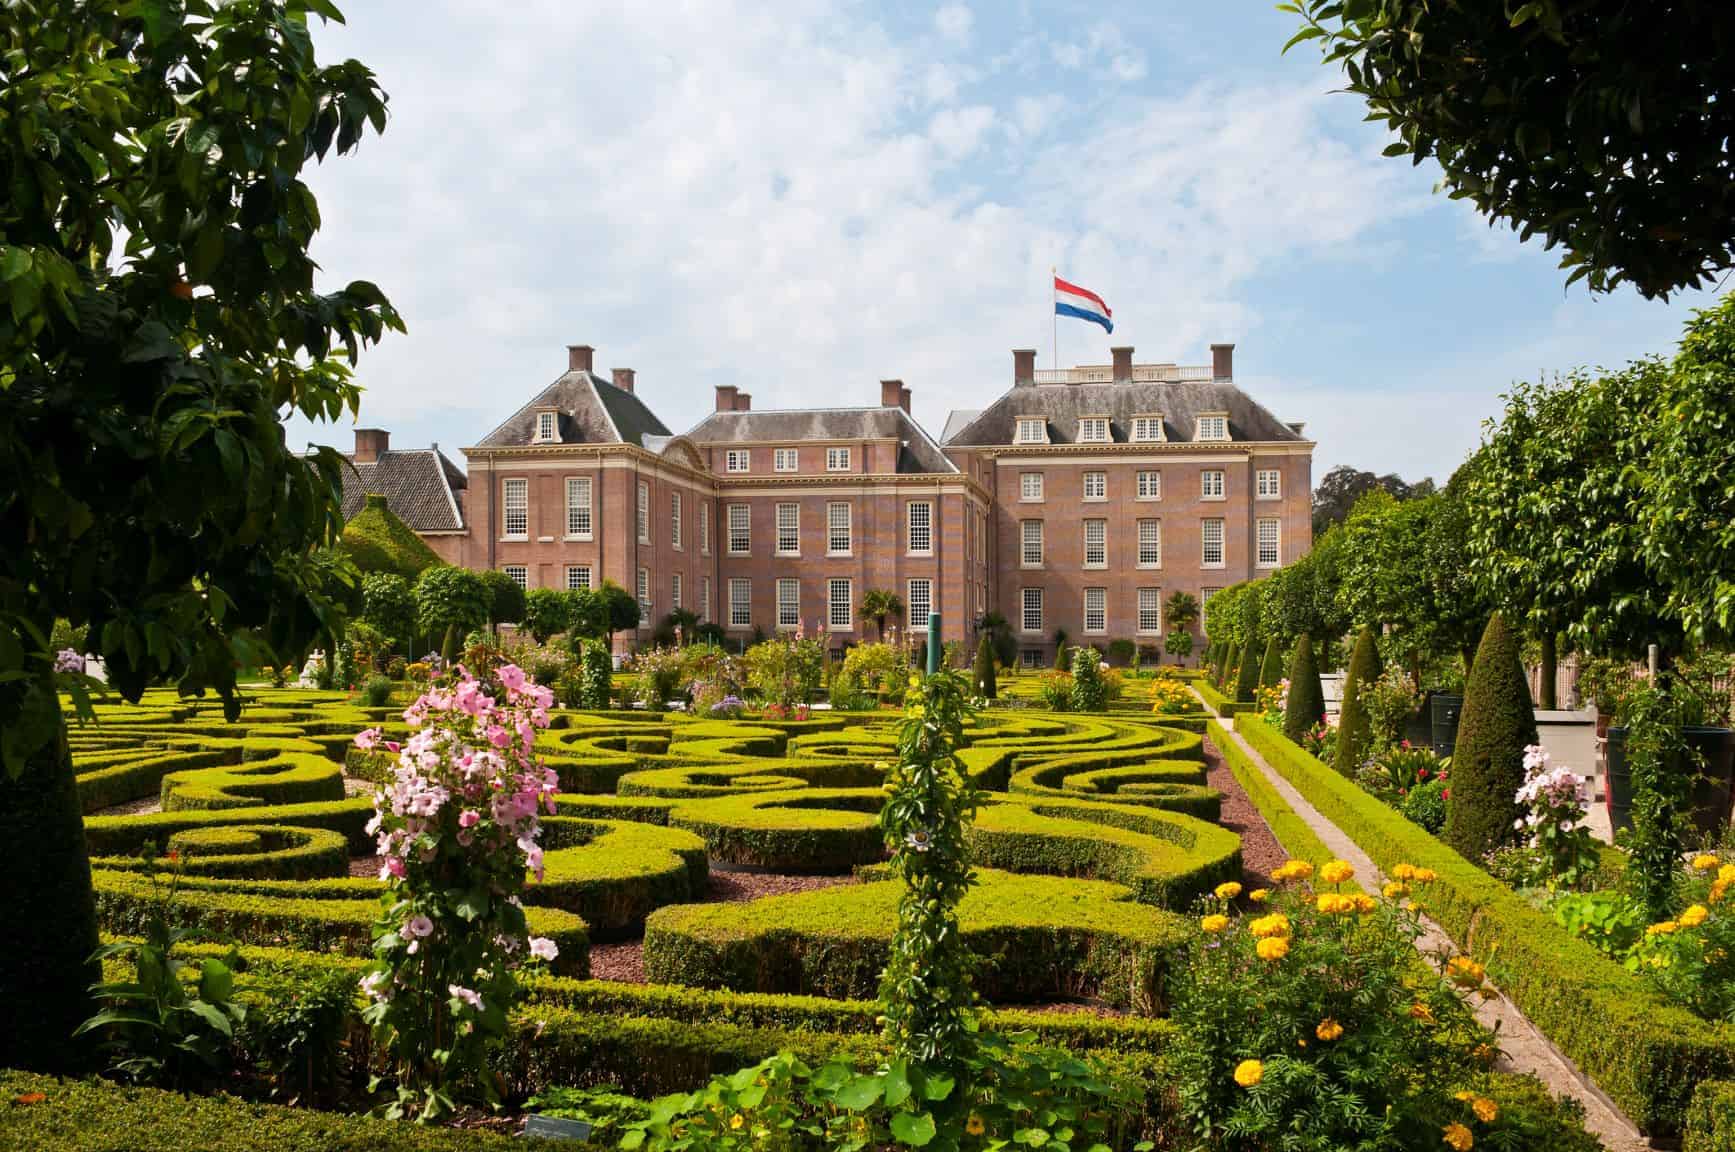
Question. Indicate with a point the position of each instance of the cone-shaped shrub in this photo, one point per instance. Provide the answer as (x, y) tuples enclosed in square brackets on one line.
[(1271, 668), (1497, 724), (1354, 732), (983, 672), (1306, 707), (1248, 677)]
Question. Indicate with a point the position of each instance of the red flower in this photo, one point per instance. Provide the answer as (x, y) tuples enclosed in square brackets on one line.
[(30, 1098), (1445, 793), (1421, 773), (173, 856)]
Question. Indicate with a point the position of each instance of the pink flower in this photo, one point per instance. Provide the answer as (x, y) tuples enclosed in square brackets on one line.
[(392, 869), (512, 677), (367, 739), (543, 948), (498, 736), (467, 995), (469, 818), (419, 927)]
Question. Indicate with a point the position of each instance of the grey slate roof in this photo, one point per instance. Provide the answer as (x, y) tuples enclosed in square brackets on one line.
[(918, 454), (956, 421), (1063, 404), (592, 411), (420, 485)]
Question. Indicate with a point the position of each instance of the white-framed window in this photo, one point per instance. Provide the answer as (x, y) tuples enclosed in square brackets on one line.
[(675, 590), (1150, 543), (1211, 484), (1213, 427), (1150, 486), (1150, 609), (1147, 429), (785, 460), (789, 529), (644, 512), (1268, 484), (704, 599), (578, 522), (740, 529), (921, 528), (1093, 430), (920, 602), (704, 528), (675, 520), (1096, 609), (1030, 542), (644, 592), (1032, 430), (518, 574), (1030, 486), (837, 529), (837, 459), (515, 496), (1096, 543), (839, 609), (577, 576), (740, 603), (788, 602), (1205, 595), (547, 427), (1096, 485), (1211, 543), (737, 460), (1030, 658), (1030, 610), (1269, 530)]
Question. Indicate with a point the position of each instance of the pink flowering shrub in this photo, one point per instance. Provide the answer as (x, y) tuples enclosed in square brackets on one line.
[(457, 828), (1554, 821)]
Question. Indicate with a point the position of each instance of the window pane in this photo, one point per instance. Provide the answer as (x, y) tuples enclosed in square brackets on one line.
[(1032, 540), (740, 534), (921, 601), (578, 576), (1030, 486), (1150, 609), (519, 575), (578, 505), (1268, 549), (837, 528), (740, 603), (840, 613), (789, 529), (1032, 605), (1212, 538), (788, 603), (1150, 543), (921, 527), (644, 513), (517, 501), (1096, 542)]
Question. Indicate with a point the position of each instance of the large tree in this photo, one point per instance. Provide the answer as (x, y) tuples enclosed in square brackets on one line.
[(160, 317), (1603, 125), (1343, 486)]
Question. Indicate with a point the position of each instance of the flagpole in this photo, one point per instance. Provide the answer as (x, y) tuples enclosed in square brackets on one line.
[(1054, 322)]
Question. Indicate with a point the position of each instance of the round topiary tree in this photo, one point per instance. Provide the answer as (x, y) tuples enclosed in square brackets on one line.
[(1306, 705), (505, 598), (450, 603), (1271, 668), (1354, 732), (1496, 725), (1247, 679), (983, 672)]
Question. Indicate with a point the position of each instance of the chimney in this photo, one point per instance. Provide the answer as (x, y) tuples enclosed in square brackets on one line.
[(578, 357), (623, 379), (743, 401), (725, 397), (371, 444), (1123, 364), (1222, 361), (890, 392), (904, 398), (1023, 367)]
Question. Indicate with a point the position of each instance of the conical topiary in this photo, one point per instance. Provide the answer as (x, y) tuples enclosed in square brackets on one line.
[(983, 672), (1306, 705), (380, 542), (1247, 679), (1271, 668), (1496, 725), (1354, 731)]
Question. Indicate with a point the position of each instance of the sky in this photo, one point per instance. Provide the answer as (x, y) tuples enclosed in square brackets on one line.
[(803, 198)]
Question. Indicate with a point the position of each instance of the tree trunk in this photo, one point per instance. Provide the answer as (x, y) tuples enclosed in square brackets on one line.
[(45, 966), (1545, 699)]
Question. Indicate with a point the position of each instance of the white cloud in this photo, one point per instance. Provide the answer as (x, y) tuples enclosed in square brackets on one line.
[(958, 131), (954, 21)]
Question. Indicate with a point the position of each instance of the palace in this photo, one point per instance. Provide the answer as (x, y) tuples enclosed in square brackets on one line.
[(1079, 500)]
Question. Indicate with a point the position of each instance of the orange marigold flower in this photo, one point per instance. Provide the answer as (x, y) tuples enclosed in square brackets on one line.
[(1704, 862), (1328, 1029), (1215, 922), (1403, 872), (1249, 1072), (1694, 916), (1486, 1110), (1458, 1137), (30, 1098), (1421, 1011), (975, 1125), (1276, 924), (1273, 948)]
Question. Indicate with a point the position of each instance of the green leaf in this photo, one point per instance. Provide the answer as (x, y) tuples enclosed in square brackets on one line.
[(211, 1015), (216, 982), (859, 1093), (897, 1084), (938, 1086), (14, 262), (913, 1128)]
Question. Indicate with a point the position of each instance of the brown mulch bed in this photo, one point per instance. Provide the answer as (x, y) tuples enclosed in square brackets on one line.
[(146, 806), (1260, 851), (365, 867)]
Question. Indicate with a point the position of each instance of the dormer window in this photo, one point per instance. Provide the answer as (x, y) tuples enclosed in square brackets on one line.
[(1032, 430), (1213, 426), (547, 427), (1147, 429), (1093, 430)]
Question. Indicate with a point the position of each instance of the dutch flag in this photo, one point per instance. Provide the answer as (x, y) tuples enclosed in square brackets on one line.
[(1071, 300)]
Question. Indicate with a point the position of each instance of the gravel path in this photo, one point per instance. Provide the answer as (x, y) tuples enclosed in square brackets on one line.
[(1260, 851), (146, 806)]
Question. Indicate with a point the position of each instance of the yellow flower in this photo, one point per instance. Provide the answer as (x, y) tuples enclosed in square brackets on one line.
[(1328, 1029), (1464, 1095), (1726, 874), (1704, 862), (1335, 871), (1718, 891), (737, 1120), (974, 1125), (1293, 870), (1395, 889), (1403, 872), (1421, 1011), (1214, 922), (1425, 876), (1259, 895), (915, 681), (1276, 924), (1694, 916), (1485, 1053), (1228, 891), (1273, 948), (1666, 928), (1363, 903), (1249, 1073), (1463, 970), (1458, 1137), (1486, 1110)]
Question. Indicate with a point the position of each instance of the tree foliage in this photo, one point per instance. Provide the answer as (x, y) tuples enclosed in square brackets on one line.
[(1601, 125), (881, 604), (505, 597), (545, 613), (1340, 489), (389, 605), (160, 314), (450, 603)]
